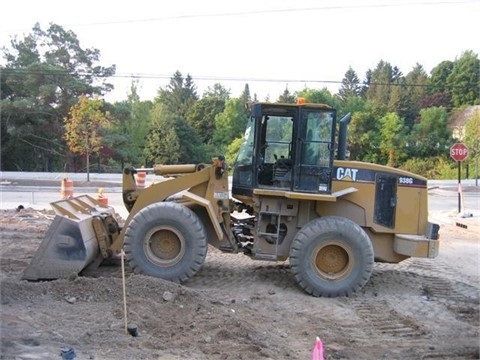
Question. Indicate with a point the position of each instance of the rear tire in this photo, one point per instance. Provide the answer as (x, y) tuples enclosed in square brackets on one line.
[(331, 256), (166, 240)]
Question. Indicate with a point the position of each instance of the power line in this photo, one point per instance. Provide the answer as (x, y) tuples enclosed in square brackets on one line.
[(61, 73), (273, 11)]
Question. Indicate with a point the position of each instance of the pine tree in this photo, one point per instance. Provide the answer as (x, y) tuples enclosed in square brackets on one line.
[(350, 86)]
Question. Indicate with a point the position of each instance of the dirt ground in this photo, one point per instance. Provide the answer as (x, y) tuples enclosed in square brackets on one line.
[(236, 308)]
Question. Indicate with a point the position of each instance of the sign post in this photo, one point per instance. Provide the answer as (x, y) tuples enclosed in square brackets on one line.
[(459, 152)]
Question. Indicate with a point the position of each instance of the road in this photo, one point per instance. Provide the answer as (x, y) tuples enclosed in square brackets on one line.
[(443, 194), (37, 198)]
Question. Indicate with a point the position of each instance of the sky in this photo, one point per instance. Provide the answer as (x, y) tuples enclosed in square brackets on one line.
[(269, 44)]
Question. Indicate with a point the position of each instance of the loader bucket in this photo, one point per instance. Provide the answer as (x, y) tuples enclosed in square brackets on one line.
[(70, 243)]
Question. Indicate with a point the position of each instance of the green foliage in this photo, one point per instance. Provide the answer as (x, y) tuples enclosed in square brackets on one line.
[(323, 96), (350, 86), (287, 97), (180, 94), (439, 75), (391, 143), (380, 83), (83, 128), (162, 145), (232, 151), (441, 99), (464, 80), (44, 74), (171, 139), (472, 140), (130, 126), (217, 91), (230, 124), (363, 135), (412, 94), (472, 134), (245, 97), (431, 168), (445, 169), (352, 105), (201, 115), (430, 136)]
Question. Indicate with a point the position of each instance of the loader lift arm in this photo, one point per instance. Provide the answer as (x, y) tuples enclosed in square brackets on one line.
[(203, 185)]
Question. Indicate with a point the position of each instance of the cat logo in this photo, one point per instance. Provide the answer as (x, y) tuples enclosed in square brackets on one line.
[(347, 174)]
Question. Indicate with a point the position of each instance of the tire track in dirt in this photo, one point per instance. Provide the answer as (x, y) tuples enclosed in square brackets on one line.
[(390, 308), (436, 283), (238, 275), (386, 320)]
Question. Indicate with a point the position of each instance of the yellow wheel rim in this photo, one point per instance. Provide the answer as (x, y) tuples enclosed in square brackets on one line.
[(333, 260), (164, 246)]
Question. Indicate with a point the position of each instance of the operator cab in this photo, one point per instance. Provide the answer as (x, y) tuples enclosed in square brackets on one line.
[(286, 147)]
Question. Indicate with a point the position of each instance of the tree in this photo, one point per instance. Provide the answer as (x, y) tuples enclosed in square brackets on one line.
[(287, 97), (410, 95), (352, 105), (440, 99), (350, 86), (430, 136), (202, 114), (323, 96), (232, 150), (363, 134), (171, 139), (44, 74), (230, 124), (246, 99), (129, 128), (472, 139), (380, 83), (366, 83), (83, 128), (391, 143), (438, 77), (464, 80), (180, 94), (162, 144)]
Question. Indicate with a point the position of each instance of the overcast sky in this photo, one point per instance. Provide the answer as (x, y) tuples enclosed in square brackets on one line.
[(281, 42)]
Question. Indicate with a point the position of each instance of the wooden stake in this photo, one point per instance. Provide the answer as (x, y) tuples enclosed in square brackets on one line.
[(122, 254)]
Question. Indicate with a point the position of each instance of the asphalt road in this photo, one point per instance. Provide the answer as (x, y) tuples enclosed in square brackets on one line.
[(37, 198), (443, 194)]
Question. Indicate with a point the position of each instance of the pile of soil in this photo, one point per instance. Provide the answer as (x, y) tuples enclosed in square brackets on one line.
[(237, 308)]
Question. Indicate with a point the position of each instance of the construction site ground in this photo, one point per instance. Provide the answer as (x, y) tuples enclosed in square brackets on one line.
[(238, 308)]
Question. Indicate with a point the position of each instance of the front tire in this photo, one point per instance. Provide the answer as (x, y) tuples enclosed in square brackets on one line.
[(331, 256), (166, 240)]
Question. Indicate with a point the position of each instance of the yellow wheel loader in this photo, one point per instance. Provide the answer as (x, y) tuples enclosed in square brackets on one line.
[(293, 196)]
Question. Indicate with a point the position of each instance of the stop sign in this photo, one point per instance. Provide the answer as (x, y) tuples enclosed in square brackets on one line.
[(458, 152)]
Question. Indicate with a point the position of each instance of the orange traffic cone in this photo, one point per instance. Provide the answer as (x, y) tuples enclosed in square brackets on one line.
[(101, 198), (66, 191), (141, 178)]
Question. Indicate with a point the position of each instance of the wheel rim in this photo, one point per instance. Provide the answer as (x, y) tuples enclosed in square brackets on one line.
[(164, 246), (333, 260)]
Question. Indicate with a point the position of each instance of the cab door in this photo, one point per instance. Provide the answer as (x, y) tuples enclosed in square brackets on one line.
[(315, 151)]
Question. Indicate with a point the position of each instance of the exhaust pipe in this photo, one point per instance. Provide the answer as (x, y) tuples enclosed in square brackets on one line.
[(342, 136)]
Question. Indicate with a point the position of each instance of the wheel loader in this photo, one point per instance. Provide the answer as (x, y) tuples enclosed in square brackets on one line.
[(293, 196)]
